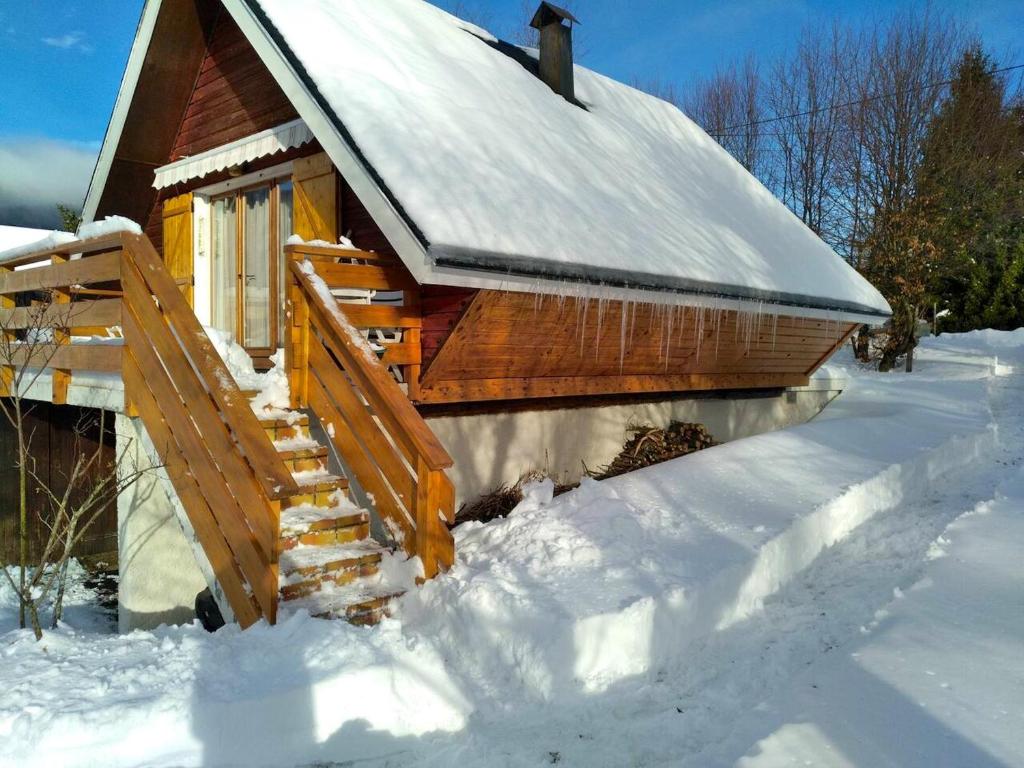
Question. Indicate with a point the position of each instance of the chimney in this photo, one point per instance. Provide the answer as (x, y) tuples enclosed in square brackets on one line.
[(555, 26)]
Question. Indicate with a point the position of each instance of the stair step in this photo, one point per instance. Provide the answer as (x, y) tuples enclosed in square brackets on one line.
[(307, 570), (360, 605), (371, 611), (286, 429), (322, 526), (304, 459), (306, 517), (309, 561), (309, 586), (323, 494)]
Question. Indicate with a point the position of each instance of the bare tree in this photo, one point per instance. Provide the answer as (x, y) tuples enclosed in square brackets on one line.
[(470, 11), (27, 349), (729, 106), (808, 129)]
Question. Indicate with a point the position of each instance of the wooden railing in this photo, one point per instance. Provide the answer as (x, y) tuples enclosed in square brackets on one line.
[(377, 431), (227, 475)]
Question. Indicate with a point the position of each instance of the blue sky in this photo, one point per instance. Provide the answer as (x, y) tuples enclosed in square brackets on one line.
[(63, 60)]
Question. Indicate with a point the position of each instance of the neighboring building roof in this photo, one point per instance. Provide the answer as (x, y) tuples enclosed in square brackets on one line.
[(480, 175), (13, 237)]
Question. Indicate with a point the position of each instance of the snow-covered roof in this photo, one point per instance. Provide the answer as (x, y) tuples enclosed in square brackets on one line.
[(497, 172), (480, 175), (14, 237)]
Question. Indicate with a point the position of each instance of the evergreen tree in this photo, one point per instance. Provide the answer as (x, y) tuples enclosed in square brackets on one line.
[(970, 194)]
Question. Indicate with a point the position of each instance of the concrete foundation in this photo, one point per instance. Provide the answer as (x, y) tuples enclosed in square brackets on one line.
[(159, 572), (494, 448)]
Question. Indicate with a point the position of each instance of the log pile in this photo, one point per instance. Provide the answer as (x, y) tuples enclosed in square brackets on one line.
[(653, 445), (647, 445)]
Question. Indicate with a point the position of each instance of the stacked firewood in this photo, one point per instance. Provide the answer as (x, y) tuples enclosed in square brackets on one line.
[(647, 445), (651, 445)]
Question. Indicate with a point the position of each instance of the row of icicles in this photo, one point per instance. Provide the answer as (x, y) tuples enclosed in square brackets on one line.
[(672, 321)]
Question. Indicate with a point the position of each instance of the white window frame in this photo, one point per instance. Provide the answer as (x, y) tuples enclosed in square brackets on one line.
[(202, 233)]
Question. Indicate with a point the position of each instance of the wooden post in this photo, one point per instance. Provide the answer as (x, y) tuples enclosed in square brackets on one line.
[(296, 352), (61, 336), (426, 518)]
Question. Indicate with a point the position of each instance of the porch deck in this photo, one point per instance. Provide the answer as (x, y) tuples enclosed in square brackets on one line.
[(234, 468)]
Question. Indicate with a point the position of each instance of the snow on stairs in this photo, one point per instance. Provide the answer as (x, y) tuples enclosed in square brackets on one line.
[(326, 553)]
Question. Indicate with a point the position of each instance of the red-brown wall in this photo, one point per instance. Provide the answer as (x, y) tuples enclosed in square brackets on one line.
[(234, 96)]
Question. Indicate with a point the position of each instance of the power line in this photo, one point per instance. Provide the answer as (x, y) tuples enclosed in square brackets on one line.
[(829, 108)]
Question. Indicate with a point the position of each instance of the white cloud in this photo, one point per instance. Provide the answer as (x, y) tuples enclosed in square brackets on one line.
[(40, 173), (68, 40)]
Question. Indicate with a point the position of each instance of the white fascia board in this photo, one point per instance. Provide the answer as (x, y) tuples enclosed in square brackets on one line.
[(125, 94), (346, 160), (519, 284)]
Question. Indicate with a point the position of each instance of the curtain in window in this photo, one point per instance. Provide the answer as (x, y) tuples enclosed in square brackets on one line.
[(225, 265), (284, 231), (256, 240)]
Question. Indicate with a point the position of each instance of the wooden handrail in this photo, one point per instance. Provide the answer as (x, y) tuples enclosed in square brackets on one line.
[(275, 478), (380, 435), (330, 253), (380, 389), (225, 470), (111, 242)]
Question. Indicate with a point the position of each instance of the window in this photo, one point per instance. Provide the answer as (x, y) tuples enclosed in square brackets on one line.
[(249, 228)]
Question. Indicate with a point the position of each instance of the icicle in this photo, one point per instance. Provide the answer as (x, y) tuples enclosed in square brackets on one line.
[(623, 312)]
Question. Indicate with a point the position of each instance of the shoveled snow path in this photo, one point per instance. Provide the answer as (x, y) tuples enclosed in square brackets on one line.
[(688, 716)]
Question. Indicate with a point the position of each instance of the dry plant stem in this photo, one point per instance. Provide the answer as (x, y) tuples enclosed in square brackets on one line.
[(90, 485)]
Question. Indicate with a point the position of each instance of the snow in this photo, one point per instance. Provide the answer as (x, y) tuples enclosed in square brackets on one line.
[(16, 242), (845, 592), (499, 172), (39, 240), (358, 340), (343, 244), (12, 237), (271, 387), (108, 226)]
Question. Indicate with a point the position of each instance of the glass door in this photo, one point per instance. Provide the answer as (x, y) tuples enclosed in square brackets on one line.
[(224, 282), (249, 231), (256, 269)]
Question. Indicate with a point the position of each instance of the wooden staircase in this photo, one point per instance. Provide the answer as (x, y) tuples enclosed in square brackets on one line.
[(275, 527), (327, 558)]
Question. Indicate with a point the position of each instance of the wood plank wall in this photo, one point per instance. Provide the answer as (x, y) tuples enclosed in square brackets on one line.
[(515, 345), (53, 450), (234, 96)]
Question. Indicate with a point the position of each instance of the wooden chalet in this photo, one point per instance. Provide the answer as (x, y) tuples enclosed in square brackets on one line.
[(527, 234)]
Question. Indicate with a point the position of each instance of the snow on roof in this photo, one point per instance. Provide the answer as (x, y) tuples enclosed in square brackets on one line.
[(12, 237), (19, 241), (496, 173)]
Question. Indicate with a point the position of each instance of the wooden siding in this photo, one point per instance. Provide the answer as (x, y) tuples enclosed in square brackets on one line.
[(358, 225), (52, 447), (233, 96), (442, 306), (513, 345)]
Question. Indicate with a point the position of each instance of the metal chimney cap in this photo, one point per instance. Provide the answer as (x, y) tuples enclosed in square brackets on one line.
[(548, 14)]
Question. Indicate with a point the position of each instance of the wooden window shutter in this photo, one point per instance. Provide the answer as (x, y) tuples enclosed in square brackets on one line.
[(315, 196), (178, 242)]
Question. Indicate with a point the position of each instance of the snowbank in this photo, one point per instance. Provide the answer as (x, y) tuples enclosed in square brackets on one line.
[(554, 623), (934, 679)]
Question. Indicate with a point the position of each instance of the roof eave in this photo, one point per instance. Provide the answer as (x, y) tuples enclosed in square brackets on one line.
[(125, 94), (474, 269)]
